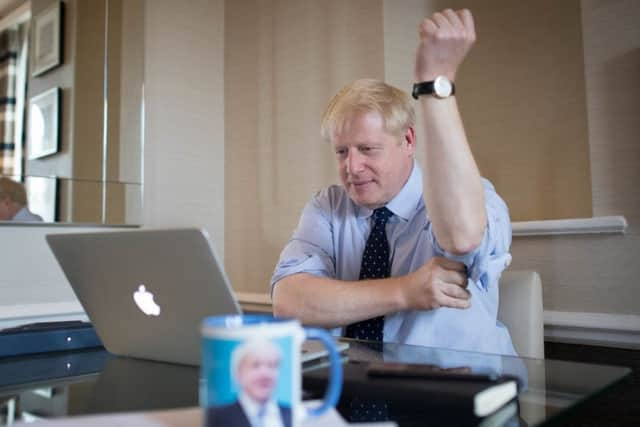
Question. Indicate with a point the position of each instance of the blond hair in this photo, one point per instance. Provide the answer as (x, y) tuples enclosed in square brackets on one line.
[(12, 190), (365, 96)]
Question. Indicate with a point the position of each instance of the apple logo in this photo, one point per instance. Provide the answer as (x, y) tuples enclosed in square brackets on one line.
[(144, 301)]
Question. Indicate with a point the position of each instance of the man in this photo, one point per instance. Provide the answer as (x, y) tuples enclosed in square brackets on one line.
[(255, 368), (383, 257), (13, 202)]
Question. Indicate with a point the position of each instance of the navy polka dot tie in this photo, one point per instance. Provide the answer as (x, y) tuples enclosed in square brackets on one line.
[(375, 265)]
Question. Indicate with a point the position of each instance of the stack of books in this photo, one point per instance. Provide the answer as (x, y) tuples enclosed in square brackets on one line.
[(448, 397)]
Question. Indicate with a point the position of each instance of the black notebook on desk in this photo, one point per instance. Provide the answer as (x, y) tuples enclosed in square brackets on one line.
[(417, 388)]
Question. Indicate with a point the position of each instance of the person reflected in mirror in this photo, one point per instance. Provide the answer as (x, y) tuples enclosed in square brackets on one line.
[(13, 202), (255, 367), (401, 253)]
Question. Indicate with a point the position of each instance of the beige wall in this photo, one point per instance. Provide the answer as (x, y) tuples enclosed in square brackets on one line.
[(184, 148), (522, 97), (529, 140), (592, 273), (283, 60), (125, 73), (88, 115), (131, 56), (401, 20)]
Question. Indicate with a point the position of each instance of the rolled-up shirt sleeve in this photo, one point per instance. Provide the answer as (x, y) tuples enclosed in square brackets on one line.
[(486, 263), (310, 249)]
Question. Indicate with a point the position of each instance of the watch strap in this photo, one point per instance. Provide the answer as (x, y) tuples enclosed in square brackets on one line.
[(427, 88)]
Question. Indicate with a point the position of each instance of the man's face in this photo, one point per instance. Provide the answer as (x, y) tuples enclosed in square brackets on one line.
[(258, 375), (373, 164)]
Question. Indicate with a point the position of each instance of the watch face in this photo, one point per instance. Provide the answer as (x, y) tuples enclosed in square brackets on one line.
[(442, 87)]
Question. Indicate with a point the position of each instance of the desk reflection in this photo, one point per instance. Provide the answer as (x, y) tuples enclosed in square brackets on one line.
[(118, 384), (94, 382)]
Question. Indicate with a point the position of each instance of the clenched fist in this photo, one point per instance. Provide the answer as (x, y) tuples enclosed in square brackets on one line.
[(445, 39)]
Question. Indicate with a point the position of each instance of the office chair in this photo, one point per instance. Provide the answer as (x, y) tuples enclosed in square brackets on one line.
[(521, 311)]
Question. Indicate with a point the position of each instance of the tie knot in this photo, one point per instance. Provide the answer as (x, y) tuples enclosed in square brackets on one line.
[(381, 215)]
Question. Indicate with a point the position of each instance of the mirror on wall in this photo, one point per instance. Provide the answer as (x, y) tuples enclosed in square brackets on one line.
[(73, 136)]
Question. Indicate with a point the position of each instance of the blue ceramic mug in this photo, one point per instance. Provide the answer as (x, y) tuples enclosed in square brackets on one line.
[(251, 371)]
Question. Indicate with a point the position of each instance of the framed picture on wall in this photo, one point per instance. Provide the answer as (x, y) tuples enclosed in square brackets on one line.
[(43, 124), (42, 196), (47, 30)]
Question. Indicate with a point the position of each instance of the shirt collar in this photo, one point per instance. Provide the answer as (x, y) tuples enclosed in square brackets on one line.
[(22, 214), (405, 202), (251, 407)]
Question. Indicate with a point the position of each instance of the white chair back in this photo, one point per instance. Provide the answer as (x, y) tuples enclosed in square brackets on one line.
[(521, 311)]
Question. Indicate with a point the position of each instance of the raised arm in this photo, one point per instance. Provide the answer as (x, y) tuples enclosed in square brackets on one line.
[(453, 189)]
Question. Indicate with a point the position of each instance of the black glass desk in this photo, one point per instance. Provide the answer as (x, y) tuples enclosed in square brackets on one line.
[(94, 382)]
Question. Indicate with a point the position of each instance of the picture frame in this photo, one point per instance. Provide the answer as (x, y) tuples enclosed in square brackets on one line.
[(43, 124), (42, 196), (47, 35)]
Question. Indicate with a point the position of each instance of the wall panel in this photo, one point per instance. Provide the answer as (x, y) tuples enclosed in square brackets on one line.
[(283, 61)]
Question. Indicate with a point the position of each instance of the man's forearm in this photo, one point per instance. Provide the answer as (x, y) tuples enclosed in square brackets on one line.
[(453, 193), (331, 303)]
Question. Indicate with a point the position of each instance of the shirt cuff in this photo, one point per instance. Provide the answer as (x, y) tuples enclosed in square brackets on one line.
[(317, 264), (484, 266)]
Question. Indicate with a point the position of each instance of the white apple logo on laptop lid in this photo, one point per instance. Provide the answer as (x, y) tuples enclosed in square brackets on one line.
[(144, 301)]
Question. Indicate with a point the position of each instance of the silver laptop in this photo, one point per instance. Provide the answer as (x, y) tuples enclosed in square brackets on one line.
[(146, 291)]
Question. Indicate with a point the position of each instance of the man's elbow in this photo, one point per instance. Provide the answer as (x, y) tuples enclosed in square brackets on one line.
[(465, 240), (283, 300), (282, 309), (463, 246)]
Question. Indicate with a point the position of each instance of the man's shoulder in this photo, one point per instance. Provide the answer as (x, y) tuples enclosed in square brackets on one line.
[(230, 415), (333, 198), (332, 192), (491, 195), (25, 214)]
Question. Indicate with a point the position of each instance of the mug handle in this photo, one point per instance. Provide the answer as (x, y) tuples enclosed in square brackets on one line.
[(332, 395)]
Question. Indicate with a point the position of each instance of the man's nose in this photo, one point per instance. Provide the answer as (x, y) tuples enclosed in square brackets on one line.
[(354, 162)]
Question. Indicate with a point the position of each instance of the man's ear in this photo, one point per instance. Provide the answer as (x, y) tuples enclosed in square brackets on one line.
[(410, 139)]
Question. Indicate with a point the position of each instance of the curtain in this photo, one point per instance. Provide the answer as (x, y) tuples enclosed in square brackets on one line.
[(9, 163)]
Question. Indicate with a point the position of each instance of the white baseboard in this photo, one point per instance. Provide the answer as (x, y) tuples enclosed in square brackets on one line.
[(596, 225), (601, 329)]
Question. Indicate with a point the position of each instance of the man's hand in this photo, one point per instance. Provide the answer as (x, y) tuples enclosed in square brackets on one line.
[(439, 283), (445, 40)]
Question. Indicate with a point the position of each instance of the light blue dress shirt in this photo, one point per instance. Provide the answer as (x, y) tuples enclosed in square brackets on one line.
[(25, 215), (331, 237)]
